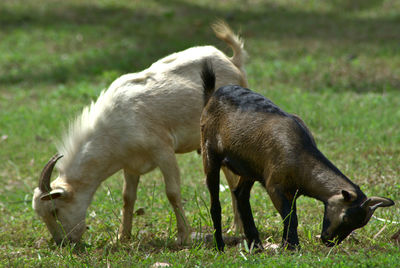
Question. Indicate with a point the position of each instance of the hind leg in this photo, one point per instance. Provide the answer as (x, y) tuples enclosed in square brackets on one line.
[(242, 193), (212, 167), (169, 168), (233, 180), (131, 182)]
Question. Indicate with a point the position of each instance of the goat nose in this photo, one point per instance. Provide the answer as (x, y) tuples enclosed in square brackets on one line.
[(324, 237), (329, 244), (58, 241)]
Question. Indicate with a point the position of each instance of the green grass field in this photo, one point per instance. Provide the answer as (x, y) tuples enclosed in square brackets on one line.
[(335, 63)]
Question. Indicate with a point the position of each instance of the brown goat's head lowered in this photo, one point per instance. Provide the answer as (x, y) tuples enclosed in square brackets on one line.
[(344, 213), (254, 138), (58, 208)]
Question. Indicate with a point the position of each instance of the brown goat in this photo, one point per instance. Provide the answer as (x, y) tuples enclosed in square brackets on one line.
[(255, 139)]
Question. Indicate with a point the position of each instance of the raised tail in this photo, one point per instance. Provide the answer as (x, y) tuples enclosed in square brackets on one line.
[(208, 77), (224, 32)]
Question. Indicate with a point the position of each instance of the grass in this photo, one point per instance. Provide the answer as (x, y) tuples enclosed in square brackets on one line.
[(334, 63)]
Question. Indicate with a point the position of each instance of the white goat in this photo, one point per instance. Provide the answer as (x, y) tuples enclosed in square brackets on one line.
[(137, 124)]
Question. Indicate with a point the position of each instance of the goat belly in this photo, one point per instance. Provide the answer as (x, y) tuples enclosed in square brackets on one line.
[(241, 167)]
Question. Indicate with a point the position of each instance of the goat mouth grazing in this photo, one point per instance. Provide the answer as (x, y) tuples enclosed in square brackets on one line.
[(331, 241)]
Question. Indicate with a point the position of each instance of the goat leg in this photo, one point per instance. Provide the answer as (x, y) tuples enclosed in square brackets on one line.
[(286, 206), (131, 182), (213, 179), (242, 193), (232, 180)]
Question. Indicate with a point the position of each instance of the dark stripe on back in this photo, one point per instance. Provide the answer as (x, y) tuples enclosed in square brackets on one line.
[(247, 100)]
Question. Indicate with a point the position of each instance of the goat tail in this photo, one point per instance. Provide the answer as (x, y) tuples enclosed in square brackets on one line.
[(224, 32), (208, 77)]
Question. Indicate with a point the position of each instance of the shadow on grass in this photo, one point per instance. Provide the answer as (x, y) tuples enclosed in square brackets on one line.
[(126, 39), (148, 244)]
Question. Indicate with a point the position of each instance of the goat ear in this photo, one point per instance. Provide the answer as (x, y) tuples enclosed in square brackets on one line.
[(348, 195), (384, 202), (54, 194)]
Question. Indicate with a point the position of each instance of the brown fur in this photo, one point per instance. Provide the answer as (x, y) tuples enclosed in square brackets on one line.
[(258, 141)]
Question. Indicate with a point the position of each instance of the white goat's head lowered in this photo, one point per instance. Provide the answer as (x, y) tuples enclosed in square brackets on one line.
[(58, 207), (136, 125)]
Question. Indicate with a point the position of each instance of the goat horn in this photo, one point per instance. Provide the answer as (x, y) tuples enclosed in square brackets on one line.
[(44, 180), (375, 206), (365, 203)]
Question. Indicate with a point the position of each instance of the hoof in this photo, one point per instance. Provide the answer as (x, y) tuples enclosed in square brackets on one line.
[(290, 247), (235, 229), (123, 238), (183, 240)]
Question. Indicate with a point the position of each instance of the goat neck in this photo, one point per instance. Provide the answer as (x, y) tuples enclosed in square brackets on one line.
[(322, 180)]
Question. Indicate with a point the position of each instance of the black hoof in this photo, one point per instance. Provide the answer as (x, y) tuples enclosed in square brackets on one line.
[(290, 247)]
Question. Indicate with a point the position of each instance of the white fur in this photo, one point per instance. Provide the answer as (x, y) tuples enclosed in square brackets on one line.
[(137, 124)]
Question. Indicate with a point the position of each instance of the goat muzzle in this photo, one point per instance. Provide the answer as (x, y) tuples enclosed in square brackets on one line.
[(45, 176)]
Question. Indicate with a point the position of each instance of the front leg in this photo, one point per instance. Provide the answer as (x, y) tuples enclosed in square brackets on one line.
[(290, 238), (286, 206)]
